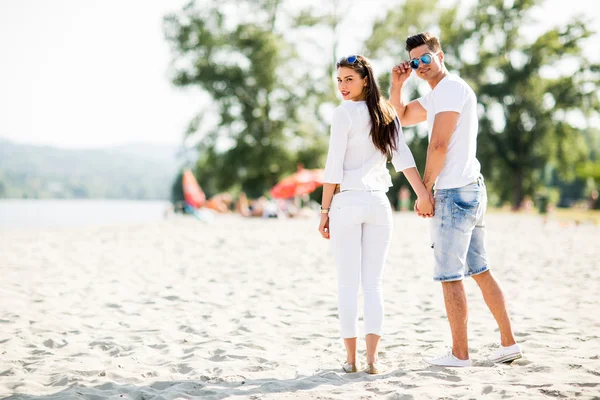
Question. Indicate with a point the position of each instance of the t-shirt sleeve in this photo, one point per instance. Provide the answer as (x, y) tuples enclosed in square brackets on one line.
[(402, 157), (424, 101), (450, 96), (338, 140)]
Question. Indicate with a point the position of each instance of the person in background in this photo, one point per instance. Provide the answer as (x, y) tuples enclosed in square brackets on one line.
[(242, 206), (220, 202), (257, 206)]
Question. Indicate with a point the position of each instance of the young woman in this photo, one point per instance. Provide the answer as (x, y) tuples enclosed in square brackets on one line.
[(365, 132)]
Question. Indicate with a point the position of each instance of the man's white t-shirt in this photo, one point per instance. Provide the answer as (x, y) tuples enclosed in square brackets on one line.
[(454, 94)]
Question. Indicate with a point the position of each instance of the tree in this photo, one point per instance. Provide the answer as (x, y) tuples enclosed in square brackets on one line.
[(321, 83), (525, 126), (526, 114), (589, 171), (250, 72), (386, 44), (177, 189)]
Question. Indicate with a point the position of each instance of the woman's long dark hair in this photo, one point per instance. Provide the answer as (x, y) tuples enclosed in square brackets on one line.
[(383, 116)]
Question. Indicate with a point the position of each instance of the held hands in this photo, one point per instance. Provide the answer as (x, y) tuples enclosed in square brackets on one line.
[(400, 73), (425, 206), (324, 226)]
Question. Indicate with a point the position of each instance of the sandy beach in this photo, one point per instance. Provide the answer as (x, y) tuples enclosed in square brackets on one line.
[(246, 308)]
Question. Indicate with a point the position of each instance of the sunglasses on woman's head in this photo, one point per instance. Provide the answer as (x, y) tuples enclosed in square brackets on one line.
[(350, 59), (425, 59)]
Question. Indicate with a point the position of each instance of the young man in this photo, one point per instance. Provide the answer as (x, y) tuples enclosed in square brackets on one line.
[(450, 110)]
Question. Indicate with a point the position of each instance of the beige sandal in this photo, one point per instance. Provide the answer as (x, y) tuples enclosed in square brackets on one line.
[(349, 368), (376, 368)]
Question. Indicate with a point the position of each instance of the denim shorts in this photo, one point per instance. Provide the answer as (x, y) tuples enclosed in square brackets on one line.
[(458, 232)]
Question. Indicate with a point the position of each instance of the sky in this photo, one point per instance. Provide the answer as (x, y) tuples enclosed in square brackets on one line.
[(91, 73)]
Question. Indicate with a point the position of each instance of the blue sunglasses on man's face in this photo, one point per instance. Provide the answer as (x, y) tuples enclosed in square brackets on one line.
[(425, 59)]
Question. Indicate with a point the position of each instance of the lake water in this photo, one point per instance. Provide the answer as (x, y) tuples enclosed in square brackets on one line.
[(62, 213)]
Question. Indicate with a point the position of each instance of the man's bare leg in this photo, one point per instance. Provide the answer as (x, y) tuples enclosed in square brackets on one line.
[(457, 311), (494, 298)]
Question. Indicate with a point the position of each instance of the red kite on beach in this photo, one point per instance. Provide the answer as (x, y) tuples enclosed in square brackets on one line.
[(192, 193)]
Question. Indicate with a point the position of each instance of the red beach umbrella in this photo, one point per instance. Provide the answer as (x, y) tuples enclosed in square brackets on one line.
[(304, 181)]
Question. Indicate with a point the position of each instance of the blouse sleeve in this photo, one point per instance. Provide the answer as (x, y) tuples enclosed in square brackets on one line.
[(340, 126), (402, 157)]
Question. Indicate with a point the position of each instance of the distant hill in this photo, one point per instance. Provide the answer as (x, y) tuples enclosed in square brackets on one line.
[(138, 171)]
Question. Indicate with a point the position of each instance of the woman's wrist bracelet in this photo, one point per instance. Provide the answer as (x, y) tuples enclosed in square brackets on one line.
[(324, 210)]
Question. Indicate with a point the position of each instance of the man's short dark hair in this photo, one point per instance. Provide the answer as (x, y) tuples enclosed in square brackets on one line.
[(422, 38)]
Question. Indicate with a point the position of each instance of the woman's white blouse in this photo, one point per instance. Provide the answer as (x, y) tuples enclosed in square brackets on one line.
[(353, 161)]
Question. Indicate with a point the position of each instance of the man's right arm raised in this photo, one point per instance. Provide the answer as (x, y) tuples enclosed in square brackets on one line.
[(413, 112)]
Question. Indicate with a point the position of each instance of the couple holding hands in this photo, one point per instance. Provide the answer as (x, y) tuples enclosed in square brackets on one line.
[(366, 130)]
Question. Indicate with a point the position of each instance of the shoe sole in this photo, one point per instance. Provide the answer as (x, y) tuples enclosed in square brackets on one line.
[(508, 358), (449, 366)]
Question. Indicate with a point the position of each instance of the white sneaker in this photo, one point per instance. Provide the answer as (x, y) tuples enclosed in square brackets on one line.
[(448, 360), (507, 354)]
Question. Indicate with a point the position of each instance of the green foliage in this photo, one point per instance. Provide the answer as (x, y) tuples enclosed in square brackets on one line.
[(590, 169), (177, 189), (247, 71), (524, 128), (389, 33), (387, 43), (267, 106), (527, 111)]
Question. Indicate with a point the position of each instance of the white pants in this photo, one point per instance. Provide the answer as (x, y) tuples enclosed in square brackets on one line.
[(360, 226)]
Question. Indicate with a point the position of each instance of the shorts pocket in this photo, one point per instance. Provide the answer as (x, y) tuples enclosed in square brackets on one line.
[(464, 215)]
